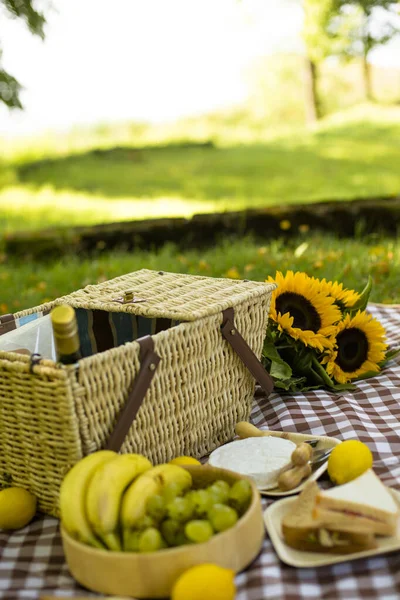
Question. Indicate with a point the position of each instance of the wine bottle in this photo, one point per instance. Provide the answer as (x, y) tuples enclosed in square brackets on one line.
[(66, 338)]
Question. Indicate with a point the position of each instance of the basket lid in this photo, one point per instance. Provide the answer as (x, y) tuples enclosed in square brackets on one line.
[(170, 295)]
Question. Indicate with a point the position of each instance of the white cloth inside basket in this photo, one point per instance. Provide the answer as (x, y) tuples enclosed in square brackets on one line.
[(36, 335)]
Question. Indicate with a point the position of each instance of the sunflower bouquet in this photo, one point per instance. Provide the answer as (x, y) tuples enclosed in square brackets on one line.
[(320, 335)]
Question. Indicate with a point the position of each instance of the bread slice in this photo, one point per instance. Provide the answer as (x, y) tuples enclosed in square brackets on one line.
[(303, 532), (346, 520), (365, 502)]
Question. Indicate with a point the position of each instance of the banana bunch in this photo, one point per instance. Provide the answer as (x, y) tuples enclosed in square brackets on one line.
[(103, 497)]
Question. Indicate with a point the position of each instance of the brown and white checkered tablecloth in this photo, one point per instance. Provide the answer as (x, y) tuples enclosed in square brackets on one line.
[(32, 562)]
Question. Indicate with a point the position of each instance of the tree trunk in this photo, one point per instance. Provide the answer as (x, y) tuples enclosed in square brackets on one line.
[(367, 78), (313, 109)]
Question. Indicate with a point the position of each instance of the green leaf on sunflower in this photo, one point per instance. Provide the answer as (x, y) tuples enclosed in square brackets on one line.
[(277, 367), (367, 375), (362, 302), (389, 355), (342, 387), (292, 384), (302, 361)]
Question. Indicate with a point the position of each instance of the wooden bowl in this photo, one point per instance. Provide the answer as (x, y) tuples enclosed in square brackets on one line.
[(152, 575)]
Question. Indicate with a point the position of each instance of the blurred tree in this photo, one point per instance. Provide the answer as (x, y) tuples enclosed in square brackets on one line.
[(359, 26), (348, 29), (317, 16), (23, 9)]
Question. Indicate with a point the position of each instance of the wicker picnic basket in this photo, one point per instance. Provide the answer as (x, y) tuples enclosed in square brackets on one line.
[(178, 388)]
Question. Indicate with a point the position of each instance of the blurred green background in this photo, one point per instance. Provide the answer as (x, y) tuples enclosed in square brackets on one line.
[(314, 126)]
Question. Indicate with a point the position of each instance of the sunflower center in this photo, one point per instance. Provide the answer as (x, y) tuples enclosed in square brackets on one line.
[(305, 315), (352, 349)]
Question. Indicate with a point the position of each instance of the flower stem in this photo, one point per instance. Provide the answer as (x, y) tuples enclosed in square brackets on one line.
[(321, 372)]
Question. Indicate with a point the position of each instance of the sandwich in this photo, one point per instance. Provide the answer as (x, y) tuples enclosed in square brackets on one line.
[(302, 531), (364, 502)]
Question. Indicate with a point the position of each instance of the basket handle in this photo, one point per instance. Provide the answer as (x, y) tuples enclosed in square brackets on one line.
[(245, 353), (148, 365)]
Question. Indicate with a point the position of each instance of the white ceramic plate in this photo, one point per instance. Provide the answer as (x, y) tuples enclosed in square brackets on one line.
[(297, 558), (324, 443)]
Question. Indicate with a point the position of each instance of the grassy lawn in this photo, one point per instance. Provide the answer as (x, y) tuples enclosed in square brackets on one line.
[(66, 181), (25, 285), (352, 154)]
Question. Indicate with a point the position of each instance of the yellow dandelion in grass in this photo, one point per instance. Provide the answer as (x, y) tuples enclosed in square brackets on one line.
[(249, 267), (203, 265), (232, 273), (285, 225), (302, 311), (318, 264), (343, 297), (359, 347)]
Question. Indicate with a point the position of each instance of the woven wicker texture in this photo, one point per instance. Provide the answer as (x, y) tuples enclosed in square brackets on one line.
[(51, 418), (199, 392), (169, 295), (39, 434)]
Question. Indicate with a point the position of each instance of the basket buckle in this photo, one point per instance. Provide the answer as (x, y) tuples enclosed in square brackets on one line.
[(128, 298)]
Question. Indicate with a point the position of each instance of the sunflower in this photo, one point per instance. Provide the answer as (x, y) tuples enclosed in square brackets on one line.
[(344, 298), (359, 347), (301, 310)]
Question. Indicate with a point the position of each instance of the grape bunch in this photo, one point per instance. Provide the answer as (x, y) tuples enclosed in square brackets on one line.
[(175, 518)]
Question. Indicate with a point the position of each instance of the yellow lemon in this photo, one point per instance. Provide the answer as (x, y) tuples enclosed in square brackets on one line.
[(184, 460), (349, 460), (205, 581), (17, 508)]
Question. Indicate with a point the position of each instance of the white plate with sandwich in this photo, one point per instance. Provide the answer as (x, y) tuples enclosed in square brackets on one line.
[(263, 455), (322, 527)]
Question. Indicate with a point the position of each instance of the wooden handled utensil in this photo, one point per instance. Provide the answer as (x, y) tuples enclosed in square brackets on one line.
[(291, 478), (302, 454), (246, 430)]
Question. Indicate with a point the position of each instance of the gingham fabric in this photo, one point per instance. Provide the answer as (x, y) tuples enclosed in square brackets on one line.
[(32, 563)]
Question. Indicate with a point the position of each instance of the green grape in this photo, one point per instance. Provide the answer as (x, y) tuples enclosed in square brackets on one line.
[(180, 509), (156, 508), (170, 530), (131, 540), (199, 531), (240, 495), (171, 491), (201, 501), (218, 493), (223, 485), (145, 522), (222, 517), (150, 540)]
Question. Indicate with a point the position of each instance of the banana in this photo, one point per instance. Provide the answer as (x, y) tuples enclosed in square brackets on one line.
[(73, 494), (151, 482), (105, 491)]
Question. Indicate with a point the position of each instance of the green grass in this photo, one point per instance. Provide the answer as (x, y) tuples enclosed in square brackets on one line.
[(353, 154), (25, 285)]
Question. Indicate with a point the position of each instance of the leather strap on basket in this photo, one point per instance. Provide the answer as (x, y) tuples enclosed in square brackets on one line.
[(7, 323), (148, 365), (243, 350)]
